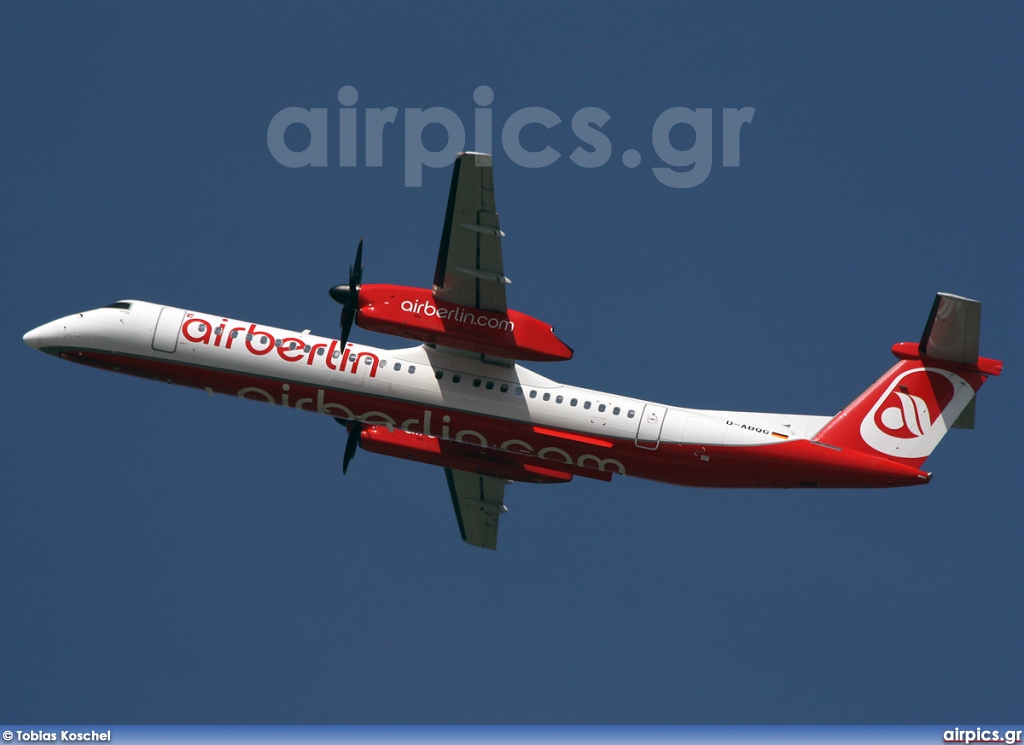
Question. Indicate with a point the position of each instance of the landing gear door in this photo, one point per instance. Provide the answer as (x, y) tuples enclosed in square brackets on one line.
[(651, 422)]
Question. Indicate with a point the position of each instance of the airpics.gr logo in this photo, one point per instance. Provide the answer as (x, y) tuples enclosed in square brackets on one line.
[(915, 411), (679, 168)]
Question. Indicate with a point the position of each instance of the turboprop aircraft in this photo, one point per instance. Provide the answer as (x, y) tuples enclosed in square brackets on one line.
[(461, 401)]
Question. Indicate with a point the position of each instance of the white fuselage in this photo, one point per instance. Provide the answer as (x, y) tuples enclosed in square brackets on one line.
[(426, 377)]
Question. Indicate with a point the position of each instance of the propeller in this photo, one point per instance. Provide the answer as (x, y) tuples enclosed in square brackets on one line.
[(354, 428), (348, 296)]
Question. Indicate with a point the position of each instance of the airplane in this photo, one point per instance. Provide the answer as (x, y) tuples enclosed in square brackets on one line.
[(461, 400)]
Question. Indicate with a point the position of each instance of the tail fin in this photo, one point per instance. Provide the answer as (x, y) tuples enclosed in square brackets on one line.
[(905, 414)]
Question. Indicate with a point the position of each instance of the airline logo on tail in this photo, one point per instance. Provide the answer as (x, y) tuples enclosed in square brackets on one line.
[(915, 411), (911, 414)]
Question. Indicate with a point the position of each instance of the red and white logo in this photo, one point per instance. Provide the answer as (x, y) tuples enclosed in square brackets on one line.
[(915, 411), (904, 414)]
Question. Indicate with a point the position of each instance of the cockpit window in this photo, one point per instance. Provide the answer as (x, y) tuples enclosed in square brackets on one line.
[(120, 305)]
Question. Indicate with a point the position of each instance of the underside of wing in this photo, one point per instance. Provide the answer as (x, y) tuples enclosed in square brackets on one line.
[(469, 264), (478, 502)]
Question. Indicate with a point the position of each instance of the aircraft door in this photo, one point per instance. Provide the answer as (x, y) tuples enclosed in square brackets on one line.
[(651, 422), (165, 335)]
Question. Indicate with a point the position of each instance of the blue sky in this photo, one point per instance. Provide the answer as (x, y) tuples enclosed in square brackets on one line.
[(170, 557)]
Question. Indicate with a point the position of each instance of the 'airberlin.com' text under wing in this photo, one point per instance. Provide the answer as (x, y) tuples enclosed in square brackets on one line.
[(460, 400)]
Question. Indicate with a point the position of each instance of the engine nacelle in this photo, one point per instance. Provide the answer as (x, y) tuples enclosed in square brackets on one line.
[(458, 455), (414, 313)]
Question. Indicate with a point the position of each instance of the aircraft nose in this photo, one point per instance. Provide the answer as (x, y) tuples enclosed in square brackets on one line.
[(48, 337), (33, 338)]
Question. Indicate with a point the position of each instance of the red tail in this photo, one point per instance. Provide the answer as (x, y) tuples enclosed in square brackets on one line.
[(905, 414)]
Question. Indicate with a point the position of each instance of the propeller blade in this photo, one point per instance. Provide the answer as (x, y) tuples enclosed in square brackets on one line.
[(348, 296), (347, 316), (351, 445), (355, 274)]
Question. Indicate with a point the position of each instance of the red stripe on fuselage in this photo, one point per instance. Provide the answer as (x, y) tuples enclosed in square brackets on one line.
[(796, 463)]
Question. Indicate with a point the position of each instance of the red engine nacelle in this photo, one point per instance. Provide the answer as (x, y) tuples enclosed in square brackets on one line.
[(415, 313), (458, 455)]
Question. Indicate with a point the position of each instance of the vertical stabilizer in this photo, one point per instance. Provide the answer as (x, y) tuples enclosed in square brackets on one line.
[(905, 414), (953, 329)]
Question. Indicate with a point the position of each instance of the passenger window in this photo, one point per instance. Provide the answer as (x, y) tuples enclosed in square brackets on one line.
[(438, 374), (456, 378), (558, 399), (476, 382), (305, 348), (602, 407), (320, 351), (277, 343), (398, 366), (547, 396), (490, 385), (412, 369), (586, 404), (616, 411), (504, 387), (519, 390), (336, 355), (533, 394), (630, 413), (234, 334), (572, 402)]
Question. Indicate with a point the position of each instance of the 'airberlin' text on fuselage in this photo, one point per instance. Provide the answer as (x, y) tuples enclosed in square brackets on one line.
[(448, 430), (292, 349), (260, 342)]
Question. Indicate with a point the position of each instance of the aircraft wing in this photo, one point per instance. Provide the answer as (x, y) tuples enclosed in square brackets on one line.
[(469, 266), (478, 502)]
